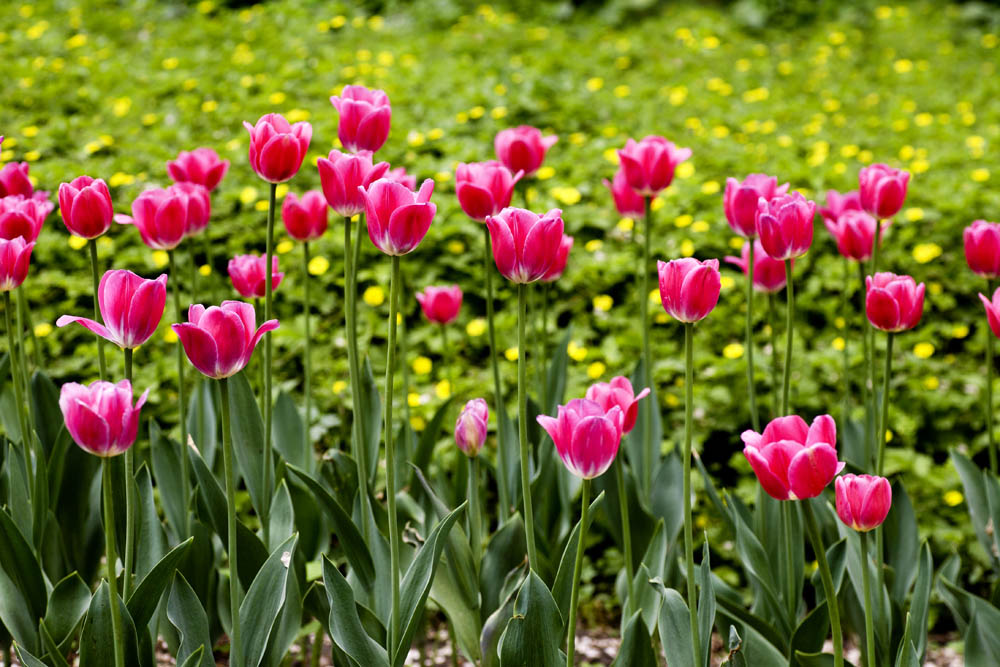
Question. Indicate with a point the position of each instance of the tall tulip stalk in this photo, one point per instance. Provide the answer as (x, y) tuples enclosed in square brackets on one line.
[(470, 435), (982, 253)]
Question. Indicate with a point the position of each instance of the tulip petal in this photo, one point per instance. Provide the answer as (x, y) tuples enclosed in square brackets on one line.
[(87, 323), (812, 469)]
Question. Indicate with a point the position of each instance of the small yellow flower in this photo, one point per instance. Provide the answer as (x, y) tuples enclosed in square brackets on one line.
[(683, 220), (477, 112), (699, 227), (284, 247), (596, 370), (418, 423), (160, 258), (413, 399), (261, 205), (77, 242), (415, 138), (576, 351), (498, 112), (914, 213), (953, 498), (443, 389), (926, 252), (923, 350), (339, 386), (687, 248), (710, 187), (839, 343), (170, 63), (732, 351), (545, 173), (566, 195), (422, 365), (980, 175), (456, 247), (626, 224), (726, 282), (169, 335), (684, 170), (510, 353), (593, 245), (318, 266), (374, 296), (622, 91), (931, 382), (42, 330), (840, 322), (888, 435), (959, 331), (595, 83), (603, 302), (248, 195), (611, 155), (205, 270), (476, 327), (903, 66)]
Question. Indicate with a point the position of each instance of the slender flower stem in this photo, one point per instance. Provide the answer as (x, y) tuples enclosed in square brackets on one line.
[(359, 432), (789, 334), (619, 466), (647, 357), (24, 318), (832, 604), (866, 583), (475, 512), (390, 456), (181, 399), (883, 424), (868, 395), (538, 327), (845, 309), (131, 499), (94, 273), (307, 379), (268, 363), (751, 389), (502, 486), (259, 314), (876, 244), (194, 269), (989, 387), (787, 509), (692, 596), (577, 566), (234, 580), (522, 424), (206, 248), (449, 374), (15, 373), (776, 398), (117, 628), (317, 648)]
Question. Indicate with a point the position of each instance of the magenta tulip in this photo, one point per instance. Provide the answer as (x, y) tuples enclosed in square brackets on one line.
[(785, 225), (559, 263), (992, 311), (863, 501), (628, 202), (441, 304), (837, 204), (365, 117), (739, 202), (586, 437), (21, 216), (484, 188), (893, 303), (649, 164), (400, 176), (201, 166), (883, 190), (101, 418), (341, 174), (15, 259), (85, 206), (982, 248), (618, 393), (277, 147), (854, 232), (793, 461), (219, 340), (199, 206), (398, 218), (14, 180), (522, 148), (160, 216), (769, 274), (131, 308), (471, 427), (305, 219), (689, 289), (247, 273), (525, 244)]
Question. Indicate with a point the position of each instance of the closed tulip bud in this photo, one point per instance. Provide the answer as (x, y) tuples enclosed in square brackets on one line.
[(101, 418), (484, 188), (739, 202), (586, 437), (14, 180), (793, 461), (441, 304), (982, 248), (85, 206), (768, 274), (559, 263), (342, 174), (305, 219), (863, 501), (398, 218), (219, 340), (992, 311), (618, 393), (837, 204), (277, 147), (525, 244), (365, 117), (649, 164), (15, 258), (893, 303), (160, 216), (628, 202), (523, 148), (883, 190), (785, 225), (201, 166), (854, 232), (131, 308), (247, 273), (199, 206), (471, 427), (400, 176), (21, 216), (689, 289)]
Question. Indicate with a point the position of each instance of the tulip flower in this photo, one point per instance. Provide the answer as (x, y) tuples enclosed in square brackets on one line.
[(305, 218), (21, 216), (629, 203), (769, 275), (85, 206), (199, 206), (739, 202), (982, 248), (992, 311), (277, 147), (201, 166), (161, 216), (365, 117), (247, 273), (15, 258), (523, 148), (14, 180), (559, 263), (854, 233), (470, 434), (484, 188), (342, 174), (130, 306), (618, 393), (441, 304), (893, 303), (882, 190), (398, 218), (785, 225), (220, 340), (689, 289), (525, 244), (649, 164), (400, 176), (837, 204)]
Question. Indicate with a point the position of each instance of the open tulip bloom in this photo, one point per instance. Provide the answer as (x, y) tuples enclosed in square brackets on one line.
[(345, 176), (398, 218), (21, 216), (277, 147), (882, 191), (130, 306), (201, 166), (365, 118), (484, 188), (523, 148), (739, 201), (247, 272)]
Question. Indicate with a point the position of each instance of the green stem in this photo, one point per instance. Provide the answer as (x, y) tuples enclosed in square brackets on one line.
[(793, 600), (771, 309), (883, 424), (522, 424), (109, 544), (94, 274), (876, 245), (832, 604), (475, 512), (15, 378), (234, 580), (259, 314), (131, 500), (307, 379), (989, 387), (390, 458), (868, 395), (626, 527), (502, 485), (206, 248), (751, 389), (537, 326), (194, 269), (845, 310), (577, 566), (317, 648), (692, 597), (181, 399), (647, 357), (24, 314), (448, 374), (268, 363), (359, 431), (866, 583), (789, 334)]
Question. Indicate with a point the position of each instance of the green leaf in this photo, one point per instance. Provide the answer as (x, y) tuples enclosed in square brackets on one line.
[(533, 636), (150, 543), (203, 421), (263, 602), (46, 416), (428, 439), (166, 455), (907, 654), (195, 659), (68, 602), (555, 379), (97, 638), (562, 586), (504, 552), (635, 649), (706, 603), (18, 562), (282, 516), (735, 657), (247, 428), (371, 411), (288, 433), (345, 626), (975, 496), (920, 602), (464, 618), (26, 659), (757, 566), (184, 611), (675, 628), (812, 631), (146, 596), (982, 642), (496, 623), (902, 541), (50, 647), (212, 495)]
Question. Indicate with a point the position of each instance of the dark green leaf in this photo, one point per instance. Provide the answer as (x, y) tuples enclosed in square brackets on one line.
[(706, 603), (282, 516), (562, 587), (635, 649), (185, 613), (247, 427), (288, 433), (146, 596), (166, 455), (97, 638), (203, 421), (263, 602), (68, 602), (150, 543), (345, 626), (534, 634)]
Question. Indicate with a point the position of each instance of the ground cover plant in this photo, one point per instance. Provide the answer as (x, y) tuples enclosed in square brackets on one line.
[(509, 374)]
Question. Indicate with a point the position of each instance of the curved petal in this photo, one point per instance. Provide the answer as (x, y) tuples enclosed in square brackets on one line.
[(812, 469), (88, 324)]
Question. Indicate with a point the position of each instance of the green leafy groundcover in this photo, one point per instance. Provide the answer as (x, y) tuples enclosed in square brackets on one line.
[(114, 91)]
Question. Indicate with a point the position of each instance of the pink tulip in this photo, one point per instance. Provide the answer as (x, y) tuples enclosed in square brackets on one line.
[(649, 164), (247, 274), (559, 263), (441, 304), (131, 308), (471, 427), (522, 148), (739, 202), (14, 180), (793, 461), (15, 258), (201, 166), (342, 174), (484, 188), (586, 437), (837, 204), (199, 206), (689, 289), (893, 303), (525, 244), (854, 232), (365, 117), (160, 216), (305, 219), (992, 311), (21, 216), (219, 341), (101, 418), (398, 218), (982, 248), (785, 225), (85, 205), (768, 274), (400, 176), (277, 147), (863, 501), (618, 393), (883, 190), (628, 202)]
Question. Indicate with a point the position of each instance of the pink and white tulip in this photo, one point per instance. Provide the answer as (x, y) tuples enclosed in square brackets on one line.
[(365, 118), (649, 164), (484, 188), (525, 244), (471, 427), (277, 147), (793, 461), (893, 303), (441, 304), (398, 218), (523, 148), (689, 289), (559, 263), (131, 307), (15, 260), (863, 501), (101, 418), (618, 393), (586, 437), (739, 201), (219, 340)]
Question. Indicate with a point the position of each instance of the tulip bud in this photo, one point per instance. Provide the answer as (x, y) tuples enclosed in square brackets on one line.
[(365, 117), (525, 244), (883, 190), (342, 174), (21, 216), (982, 248), (471, 427), (397, 217), (247, 274), (522, 148), (441, 304), (15, 258), (649, 164), (689, 289), (101, 418), (277, 148), (893, 303), (131, 308), (305, 219), (160, 216), (793, 461), (14, 180), (785, 225), (854, 232), (618, 393), (484, 188), (559, 263), (863, 501), (769, 274), (219, 341), (739, 202), (85, 206), (628, 202), (201, 166)]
